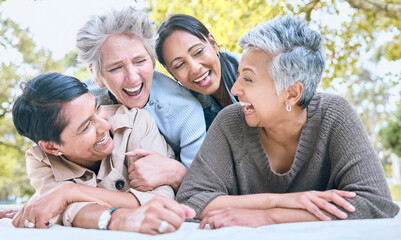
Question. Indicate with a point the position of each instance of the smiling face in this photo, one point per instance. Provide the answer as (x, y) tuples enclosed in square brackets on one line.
[(193, 62), (126, 69), (86, 139), (256, 90)]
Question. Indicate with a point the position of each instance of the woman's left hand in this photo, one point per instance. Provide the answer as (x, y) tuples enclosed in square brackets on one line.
[(152, 170), (40, 210), (235, 217)]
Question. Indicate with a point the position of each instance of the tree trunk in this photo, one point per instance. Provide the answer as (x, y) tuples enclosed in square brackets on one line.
[(391, 10)]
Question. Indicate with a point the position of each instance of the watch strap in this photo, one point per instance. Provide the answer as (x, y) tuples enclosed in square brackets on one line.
[(104, 219)]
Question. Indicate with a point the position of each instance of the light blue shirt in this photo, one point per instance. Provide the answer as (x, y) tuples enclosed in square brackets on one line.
[(178, 114)]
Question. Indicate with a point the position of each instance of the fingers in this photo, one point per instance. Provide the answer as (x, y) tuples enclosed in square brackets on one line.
[(337, 197), (139, 153)]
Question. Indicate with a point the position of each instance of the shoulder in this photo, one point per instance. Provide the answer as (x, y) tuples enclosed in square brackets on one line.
[(230, 118), (331, 104)]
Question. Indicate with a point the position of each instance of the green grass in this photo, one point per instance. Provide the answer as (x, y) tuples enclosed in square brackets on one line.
[(395, 192)]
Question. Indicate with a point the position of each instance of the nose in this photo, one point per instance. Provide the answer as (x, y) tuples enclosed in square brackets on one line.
[(236, 89), (132, 73), (194, 66)]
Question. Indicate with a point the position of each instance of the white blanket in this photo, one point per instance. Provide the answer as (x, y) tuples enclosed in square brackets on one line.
[(377, 229)]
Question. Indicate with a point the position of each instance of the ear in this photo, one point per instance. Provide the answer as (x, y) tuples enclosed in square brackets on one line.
[(98, 81), (213, 42), (294, 93), (49, 147)]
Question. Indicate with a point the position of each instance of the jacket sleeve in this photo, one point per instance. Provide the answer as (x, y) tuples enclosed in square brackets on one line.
[(356, 166), (42, 179)]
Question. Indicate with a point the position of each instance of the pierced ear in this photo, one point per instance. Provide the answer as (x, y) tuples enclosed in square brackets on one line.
[(295, 93), (49, 147)]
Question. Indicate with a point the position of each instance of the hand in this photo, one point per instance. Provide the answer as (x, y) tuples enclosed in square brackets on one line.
[(43, 208), (235, 217), (153, 169), (148, 217), (10, 213), (316, 201)]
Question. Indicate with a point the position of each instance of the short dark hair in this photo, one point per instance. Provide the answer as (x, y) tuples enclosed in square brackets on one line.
[(37, 112)]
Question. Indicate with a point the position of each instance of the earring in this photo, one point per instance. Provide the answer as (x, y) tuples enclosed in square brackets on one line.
[(288, 108), (60, 153)]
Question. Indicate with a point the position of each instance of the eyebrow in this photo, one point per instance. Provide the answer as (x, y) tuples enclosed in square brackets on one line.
[(189, 49), (86, 120)]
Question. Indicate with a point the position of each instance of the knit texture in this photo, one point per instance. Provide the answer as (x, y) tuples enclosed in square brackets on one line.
[(334, 152)]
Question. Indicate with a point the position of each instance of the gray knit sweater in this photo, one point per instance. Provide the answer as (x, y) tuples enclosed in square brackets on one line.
[(334, 152)]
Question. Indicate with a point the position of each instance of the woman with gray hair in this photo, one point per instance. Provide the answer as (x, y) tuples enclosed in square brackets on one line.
[(285, 153), (119, 48)]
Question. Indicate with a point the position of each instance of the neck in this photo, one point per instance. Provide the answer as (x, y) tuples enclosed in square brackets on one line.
[(289, 129), (222, 96)]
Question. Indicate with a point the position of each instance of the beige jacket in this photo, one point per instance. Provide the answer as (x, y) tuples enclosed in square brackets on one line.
[(131, 129)]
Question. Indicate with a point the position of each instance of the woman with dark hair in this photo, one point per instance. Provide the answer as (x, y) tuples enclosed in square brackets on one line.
[(283, 140), (79, 165), (189, 52)]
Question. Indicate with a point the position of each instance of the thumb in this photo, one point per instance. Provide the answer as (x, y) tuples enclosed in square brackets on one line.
[(139, 153), (189, 212)]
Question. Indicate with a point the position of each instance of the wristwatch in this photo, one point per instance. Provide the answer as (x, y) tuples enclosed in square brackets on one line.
[(104, 219)]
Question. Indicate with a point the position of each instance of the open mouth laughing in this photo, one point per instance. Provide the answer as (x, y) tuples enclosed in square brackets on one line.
[(248, 108), (133, 91)]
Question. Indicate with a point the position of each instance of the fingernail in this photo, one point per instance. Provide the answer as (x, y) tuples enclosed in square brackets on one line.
[(351, 208), (343, 215)]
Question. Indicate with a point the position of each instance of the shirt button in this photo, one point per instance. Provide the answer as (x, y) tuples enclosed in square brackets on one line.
[(159, 106), (119, 184), (106, 98), (151, 103)]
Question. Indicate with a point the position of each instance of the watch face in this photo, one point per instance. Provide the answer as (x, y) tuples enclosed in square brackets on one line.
[(104, 220)]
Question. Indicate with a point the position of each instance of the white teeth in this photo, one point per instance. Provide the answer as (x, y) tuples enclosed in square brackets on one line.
[(202, 77), (246, 106), (103, 140), (133, 89)]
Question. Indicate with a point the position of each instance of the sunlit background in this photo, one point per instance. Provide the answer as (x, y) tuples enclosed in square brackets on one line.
[(363, 51)]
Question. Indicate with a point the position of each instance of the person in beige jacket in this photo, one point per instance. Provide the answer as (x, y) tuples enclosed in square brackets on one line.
[(81, 163)]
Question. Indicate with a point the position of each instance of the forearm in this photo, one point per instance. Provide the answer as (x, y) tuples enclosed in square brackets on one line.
[(83, 193), (250, 201), (286, 215), (88, 216)]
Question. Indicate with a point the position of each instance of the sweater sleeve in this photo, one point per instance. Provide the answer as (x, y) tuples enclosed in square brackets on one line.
[(356, 167), (212, 172)]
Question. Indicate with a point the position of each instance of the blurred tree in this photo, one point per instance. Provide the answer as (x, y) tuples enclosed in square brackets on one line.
[(23, 60), (391, 133), (351, 32)]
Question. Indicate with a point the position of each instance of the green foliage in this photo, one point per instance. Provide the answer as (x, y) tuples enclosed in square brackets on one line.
[(391, 134), (26, 62)]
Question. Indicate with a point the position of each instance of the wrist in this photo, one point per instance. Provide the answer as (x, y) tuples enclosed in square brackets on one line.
[(106, 219), (179, 172)]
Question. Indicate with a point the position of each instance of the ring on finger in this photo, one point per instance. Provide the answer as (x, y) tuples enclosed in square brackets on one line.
[(163, 227), (29, 224)]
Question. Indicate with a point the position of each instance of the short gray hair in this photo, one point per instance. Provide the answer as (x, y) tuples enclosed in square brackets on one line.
[(92, 35), (296, 50)]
